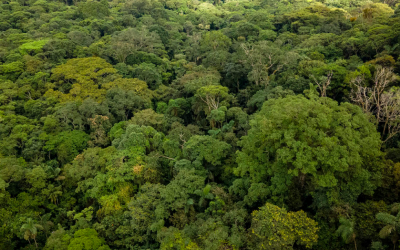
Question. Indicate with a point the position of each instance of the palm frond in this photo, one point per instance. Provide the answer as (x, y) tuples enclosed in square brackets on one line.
[(386, 218), (386, 231), (346, 229), (395, 208)]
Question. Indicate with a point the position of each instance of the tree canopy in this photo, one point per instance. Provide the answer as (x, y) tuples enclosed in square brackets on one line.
[(207, 124)]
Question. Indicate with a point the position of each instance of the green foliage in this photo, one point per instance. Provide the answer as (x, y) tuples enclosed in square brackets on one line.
[(391, 223), (186, 181), (32, 47), (275, 228), (154, 124), (215, 40), (310, 141), (66, 145), (80, 78), (346, 230), (367, 224), (12, 70), (123, 103), (94, 9), (58, 240), (87, 239), (30, 230), (206, 148)]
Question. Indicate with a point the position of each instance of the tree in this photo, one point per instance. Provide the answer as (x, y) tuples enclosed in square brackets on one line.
[(46, 223), (66, 145), (80, 78), (148, 117), (149, 73), (300, 141), (379, 101), (275, 228), (323, 83), (139, 139), (215, 40), (142, 210), (217, 116), (392, 224), (99, 126), (94, 9), (206, 153), (177, 138), (52, 193), (58, 240), (126, 42), (178, 107), (188, 182), (213, 96), (30, 230), (257, 100), (347, 231), (123, 104), (87, 165), (365, 218), (80, 38), (36, 177), (265, 60), (32, 47), (87, 239), (172, 238), (12, 70), (139, 87)]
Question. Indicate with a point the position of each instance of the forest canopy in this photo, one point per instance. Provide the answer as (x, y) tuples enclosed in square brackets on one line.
[(204, 124)]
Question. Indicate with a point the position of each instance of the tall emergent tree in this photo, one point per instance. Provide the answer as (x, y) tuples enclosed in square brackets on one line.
[(327, 150)]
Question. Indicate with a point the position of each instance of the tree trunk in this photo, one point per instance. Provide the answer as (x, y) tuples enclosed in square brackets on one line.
[(355, 243), (35, 241), (395, 238)]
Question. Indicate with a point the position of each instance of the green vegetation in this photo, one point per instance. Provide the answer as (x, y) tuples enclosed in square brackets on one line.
[(204, 124)]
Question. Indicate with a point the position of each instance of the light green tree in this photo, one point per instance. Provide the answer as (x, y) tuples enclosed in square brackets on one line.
[(87, 239), (80, 78)]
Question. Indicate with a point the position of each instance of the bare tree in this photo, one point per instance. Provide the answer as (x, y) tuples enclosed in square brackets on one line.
[(212, 101), (390, 2), (376, 100), (361, 95), (212, 95), (391, 113), (323, 83), (262, 57)]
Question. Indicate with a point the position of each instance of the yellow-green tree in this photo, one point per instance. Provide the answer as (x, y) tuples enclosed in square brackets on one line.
[(81, 78), (274, 228)]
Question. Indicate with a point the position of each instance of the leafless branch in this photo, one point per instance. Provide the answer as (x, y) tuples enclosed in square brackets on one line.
[(324, 83), (377, 100)]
